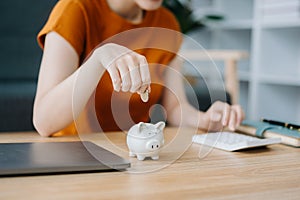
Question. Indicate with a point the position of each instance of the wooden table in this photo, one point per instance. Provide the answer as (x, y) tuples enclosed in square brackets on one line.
[(265, 173)]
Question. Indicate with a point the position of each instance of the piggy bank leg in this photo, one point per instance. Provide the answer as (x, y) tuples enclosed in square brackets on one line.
[(131, 154), (140, 157), (155, 157)]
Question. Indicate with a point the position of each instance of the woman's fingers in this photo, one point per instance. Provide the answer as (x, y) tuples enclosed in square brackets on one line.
[(239, 113), (223, 109), (236, 117), (125, 75), (128, 70), (145, 74), (215, 121), (133, 73), (226, 115), (232, 120), (140, 75), (115, 77)]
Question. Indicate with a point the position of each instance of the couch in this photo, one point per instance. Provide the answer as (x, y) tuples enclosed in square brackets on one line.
[(20, 57)]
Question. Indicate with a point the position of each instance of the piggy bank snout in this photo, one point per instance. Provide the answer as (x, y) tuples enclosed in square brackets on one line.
[(153, 145)]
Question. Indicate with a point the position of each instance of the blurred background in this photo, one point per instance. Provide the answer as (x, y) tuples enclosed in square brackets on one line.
[(254, 43), (20, 56), (269, 31)]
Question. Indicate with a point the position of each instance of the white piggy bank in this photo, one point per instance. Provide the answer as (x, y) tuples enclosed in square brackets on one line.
[(145, 140)]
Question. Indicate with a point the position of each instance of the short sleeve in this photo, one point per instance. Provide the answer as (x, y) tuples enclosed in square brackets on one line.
[(170, 22), (68, 20)]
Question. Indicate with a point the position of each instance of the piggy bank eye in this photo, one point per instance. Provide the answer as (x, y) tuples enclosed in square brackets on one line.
[(149, 133)]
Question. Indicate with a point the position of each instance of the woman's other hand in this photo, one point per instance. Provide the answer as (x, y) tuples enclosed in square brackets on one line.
[(221, 114)]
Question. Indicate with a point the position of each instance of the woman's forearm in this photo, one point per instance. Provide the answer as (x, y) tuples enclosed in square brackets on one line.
[(64, 102), (186, 115)]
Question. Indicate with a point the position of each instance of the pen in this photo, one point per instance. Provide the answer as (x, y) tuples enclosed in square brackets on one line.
[(284, 124)]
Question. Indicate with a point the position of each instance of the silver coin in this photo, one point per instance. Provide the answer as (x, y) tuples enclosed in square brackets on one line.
[(145, 96)]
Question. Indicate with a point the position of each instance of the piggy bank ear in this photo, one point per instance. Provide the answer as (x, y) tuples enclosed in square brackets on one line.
[(160, 125), (141, 126)]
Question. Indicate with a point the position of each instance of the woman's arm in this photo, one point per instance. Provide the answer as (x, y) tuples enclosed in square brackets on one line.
[(59, 74), (180, 112)]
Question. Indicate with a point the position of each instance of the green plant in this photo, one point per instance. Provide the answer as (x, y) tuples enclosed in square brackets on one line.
[(184, 15)]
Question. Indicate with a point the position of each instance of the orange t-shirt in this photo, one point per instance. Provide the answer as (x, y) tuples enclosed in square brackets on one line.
[(86, 24)]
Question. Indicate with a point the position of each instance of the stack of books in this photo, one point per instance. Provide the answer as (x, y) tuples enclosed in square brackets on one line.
[(279, 10)]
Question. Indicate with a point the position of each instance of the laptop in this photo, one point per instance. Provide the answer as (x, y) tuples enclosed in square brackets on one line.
[(57, 157)]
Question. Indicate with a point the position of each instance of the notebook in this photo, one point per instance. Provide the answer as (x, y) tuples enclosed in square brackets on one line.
[(266, 130), (57, 157)]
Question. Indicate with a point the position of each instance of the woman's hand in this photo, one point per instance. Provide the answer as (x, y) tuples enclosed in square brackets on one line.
[(221, 114), (128, 70)]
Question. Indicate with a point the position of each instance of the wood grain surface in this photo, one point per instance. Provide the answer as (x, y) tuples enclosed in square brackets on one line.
[(196, 173)]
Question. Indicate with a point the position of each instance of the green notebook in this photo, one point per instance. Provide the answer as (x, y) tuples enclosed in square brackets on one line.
[(266, 130)]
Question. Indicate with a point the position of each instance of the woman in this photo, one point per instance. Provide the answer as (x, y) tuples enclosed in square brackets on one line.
[(82, 50)]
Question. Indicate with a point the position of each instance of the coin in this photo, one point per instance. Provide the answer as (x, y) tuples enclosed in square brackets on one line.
[(145, 96)]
